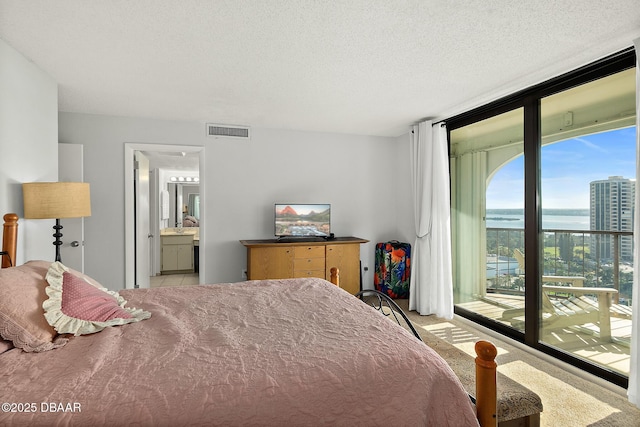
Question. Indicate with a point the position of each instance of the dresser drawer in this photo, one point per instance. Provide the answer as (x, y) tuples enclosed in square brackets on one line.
[(309, 252), (308, 273), (300, 264), (271, 259)]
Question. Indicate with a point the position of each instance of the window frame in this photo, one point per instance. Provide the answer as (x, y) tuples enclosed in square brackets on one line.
[(530, 100)]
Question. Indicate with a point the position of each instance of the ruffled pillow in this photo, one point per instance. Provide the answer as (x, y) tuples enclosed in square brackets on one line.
[(76, 306)]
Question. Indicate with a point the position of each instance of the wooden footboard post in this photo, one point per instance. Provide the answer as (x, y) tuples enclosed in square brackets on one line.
[(335, 276), (486, 390), (9, 240)]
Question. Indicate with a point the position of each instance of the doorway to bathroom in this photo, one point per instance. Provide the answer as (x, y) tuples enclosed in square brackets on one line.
[(164, 210)]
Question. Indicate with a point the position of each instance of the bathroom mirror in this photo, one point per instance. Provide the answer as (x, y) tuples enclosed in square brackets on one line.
[(184, 205)]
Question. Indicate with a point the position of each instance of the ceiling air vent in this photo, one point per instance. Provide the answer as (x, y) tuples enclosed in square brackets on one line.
[(241, 132)]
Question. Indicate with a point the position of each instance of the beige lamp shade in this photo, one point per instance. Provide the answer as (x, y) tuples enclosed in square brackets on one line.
[(49, 200)]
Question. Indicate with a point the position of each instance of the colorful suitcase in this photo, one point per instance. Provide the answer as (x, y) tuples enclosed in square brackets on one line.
[(393, 268)]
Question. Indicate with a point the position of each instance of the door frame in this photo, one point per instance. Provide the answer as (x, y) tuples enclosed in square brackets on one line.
[(71, 168), (142, 219), (129, 229)]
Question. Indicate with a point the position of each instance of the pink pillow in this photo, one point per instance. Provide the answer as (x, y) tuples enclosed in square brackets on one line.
[(22, 292), (86, 302), (93, 282), (76, 306)]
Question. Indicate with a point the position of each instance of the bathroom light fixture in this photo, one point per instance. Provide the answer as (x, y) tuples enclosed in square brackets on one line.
[(184, 179)]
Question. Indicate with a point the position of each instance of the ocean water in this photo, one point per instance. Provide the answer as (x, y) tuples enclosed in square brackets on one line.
[(555, 220)]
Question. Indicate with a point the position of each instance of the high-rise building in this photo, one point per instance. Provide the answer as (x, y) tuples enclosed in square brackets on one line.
[(612, 209)]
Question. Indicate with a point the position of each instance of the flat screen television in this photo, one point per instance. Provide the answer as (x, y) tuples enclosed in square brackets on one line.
[(298, 220)]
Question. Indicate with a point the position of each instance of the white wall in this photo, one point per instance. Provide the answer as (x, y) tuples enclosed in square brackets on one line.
[(364, 178), (356, 174), (406, 231), (28, 145)]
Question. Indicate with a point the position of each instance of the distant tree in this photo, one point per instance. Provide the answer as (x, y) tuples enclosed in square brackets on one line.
[(626, 285), (518, 283), (565, 246), (549, 240), (606, 276)]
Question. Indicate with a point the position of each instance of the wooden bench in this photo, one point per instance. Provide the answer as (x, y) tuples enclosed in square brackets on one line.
[(517, 406)]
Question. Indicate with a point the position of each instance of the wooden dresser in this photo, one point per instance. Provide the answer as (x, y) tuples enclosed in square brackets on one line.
[(271, 259)]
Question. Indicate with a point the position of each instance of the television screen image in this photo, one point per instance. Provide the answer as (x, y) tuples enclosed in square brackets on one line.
[(302, 220)]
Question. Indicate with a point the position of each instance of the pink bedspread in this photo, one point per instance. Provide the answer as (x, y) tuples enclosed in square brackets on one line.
[(270, 353)]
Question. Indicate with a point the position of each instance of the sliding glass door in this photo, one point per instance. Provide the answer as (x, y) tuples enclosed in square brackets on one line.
[(487, 172), (588, 175), (542, 206)]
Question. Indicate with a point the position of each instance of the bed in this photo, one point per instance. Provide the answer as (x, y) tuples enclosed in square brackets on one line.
[(291, 352)]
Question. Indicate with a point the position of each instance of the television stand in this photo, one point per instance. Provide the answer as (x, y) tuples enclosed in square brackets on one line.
[(275, 259), (301, 239)]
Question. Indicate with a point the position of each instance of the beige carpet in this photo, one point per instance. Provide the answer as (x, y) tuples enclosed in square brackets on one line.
[(568, 399)]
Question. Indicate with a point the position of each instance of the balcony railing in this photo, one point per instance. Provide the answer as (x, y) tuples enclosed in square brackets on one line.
[(591, 324), (603, 258)]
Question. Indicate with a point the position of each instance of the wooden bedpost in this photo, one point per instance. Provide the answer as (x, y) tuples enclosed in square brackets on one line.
[(486, 390), (9, 240), (335, 276)]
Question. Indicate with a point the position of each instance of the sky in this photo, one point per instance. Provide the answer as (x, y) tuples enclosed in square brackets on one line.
[(304, 209), (567, 169)]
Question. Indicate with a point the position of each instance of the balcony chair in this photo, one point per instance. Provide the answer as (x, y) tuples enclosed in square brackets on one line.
[(571, 280), (574, 310)]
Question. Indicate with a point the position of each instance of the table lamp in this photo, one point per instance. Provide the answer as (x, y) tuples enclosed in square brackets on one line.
[(56, 200)]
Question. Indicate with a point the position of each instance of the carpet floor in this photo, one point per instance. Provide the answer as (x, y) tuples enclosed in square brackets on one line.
[(568, 399)]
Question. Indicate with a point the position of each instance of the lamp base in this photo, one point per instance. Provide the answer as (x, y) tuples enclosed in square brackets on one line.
[(57, 242)]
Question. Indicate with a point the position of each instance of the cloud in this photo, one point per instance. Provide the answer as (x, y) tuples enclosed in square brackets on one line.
[(591, 145)]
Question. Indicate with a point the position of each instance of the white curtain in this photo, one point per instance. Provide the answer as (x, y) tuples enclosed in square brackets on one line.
[(468, 231), (431, 290), (634, 375)]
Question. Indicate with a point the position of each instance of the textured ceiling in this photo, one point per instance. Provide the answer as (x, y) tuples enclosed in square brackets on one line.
[(350, 66)]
